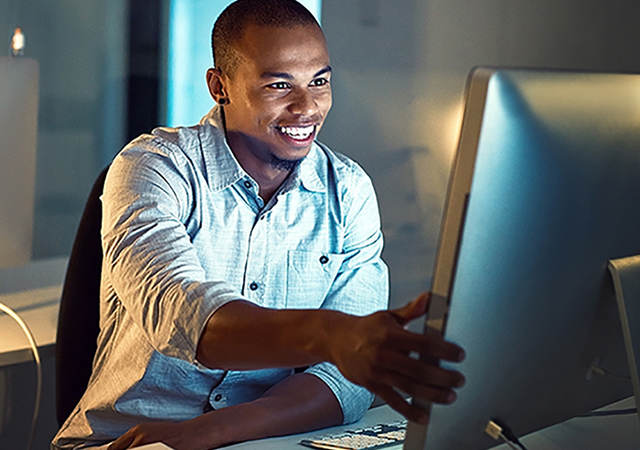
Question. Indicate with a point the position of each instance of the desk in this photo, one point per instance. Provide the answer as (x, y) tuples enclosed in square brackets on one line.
[(593, 433), (33, 291)]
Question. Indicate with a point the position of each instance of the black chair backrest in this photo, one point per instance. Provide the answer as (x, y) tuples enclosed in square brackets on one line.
[(79, 316)]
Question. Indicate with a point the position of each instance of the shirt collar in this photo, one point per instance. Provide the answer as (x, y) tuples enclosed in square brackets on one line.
[(223, 169), (309, 172), (221, 165)]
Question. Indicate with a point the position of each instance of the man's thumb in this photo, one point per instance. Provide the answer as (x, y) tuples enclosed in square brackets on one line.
[(413, 309)]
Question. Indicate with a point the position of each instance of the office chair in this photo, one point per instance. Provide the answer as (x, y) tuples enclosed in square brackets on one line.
[(79, 316)]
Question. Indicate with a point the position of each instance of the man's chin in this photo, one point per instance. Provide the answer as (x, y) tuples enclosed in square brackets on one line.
[(284, 164)]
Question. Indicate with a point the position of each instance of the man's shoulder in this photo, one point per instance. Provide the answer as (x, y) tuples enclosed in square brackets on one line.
[(178, 142), (165, 148)]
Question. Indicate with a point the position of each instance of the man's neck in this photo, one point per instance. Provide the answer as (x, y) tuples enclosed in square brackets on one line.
[(268, 177), (269, 184)]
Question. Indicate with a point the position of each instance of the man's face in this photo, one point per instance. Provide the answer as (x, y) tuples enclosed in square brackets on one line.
[(279, 95)]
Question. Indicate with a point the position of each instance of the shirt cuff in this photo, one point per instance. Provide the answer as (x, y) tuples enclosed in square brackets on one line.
[(354, 400)]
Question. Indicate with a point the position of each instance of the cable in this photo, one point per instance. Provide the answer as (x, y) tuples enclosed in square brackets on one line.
[(36, 356), (494, 430), (613, 412), (504, 438), (498, 429)]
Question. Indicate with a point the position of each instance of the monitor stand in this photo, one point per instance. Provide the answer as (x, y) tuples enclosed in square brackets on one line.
[(626, 283)]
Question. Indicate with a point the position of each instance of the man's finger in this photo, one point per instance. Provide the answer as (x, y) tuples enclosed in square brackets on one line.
[(415, 389), (413, 309), (428, 345), (398, 403), (122, 443), (421, 371)]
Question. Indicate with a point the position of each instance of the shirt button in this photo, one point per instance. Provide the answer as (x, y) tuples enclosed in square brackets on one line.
[(218, 397), (324, 259), (247, 184), (253, 286)]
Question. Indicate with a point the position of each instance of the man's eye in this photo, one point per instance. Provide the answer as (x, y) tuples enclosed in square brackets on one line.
[(320, 82), (279, 85)]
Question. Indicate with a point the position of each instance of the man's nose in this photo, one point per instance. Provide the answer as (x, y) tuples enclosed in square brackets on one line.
[(303, 103)]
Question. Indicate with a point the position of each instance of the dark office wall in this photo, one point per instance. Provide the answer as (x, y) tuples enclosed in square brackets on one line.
[(399, 74), (81, 53), (91, 55), (143, 77), (99, 70)]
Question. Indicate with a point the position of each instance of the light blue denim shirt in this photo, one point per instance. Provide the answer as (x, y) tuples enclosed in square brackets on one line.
[(184, 231)]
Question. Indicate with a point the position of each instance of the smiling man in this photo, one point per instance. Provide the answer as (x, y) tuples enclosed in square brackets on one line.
[(243, 294), (276, 92)]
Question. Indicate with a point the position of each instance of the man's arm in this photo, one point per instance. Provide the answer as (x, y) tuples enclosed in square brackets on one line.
[(303, 402), (149, 258), (372, 351), (299, 403)]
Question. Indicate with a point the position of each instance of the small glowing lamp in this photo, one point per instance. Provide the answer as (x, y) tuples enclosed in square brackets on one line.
[(17, 42)]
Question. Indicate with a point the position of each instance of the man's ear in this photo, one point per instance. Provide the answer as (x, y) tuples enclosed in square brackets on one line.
[(216, 82)]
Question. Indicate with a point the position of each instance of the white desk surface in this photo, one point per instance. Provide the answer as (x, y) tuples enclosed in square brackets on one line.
[(33, 291), (593, 433), (41, 320)]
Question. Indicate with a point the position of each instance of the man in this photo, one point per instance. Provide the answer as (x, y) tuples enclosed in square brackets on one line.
[(240, 249)]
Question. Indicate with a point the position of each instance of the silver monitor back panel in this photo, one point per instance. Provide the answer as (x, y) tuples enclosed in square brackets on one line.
[(545, 190)]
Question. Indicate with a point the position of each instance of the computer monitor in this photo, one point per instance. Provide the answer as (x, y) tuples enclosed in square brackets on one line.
[(545, 190)]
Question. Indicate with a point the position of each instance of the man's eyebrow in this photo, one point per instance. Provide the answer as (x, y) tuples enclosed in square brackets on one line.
[(285, 75), (288, 76), (323, 70)]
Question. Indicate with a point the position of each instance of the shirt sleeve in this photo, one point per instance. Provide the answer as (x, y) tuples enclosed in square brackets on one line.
[(361, 286), (149, 259)]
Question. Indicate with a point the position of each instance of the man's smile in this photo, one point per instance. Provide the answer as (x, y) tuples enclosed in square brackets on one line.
[(299, 135)]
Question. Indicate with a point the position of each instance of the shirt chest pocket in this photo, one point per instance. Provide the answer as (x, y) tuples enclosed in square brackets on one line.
[(309, 277)]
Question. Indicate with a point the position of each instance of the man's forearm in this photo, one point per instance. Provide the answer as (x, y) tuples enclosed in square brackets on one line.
[(297, 404), (373, 351), (243, 336)]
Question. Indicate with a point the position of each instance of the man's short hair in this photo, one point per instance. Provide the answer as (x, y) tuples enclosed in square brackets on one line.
[(230, 25)]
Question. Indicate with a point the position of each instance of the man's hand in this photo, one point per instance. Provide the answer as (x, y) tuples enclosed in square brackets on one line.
[(373, 351), (177, 435)]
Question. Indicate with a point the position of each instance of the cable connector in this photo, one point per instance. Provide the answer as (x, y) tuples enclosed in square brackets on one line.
[(493, 429), (497, 429)]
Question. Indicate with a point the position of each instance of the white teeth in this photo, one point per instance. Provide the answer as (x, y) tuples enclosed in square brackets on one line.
[(297, 132)]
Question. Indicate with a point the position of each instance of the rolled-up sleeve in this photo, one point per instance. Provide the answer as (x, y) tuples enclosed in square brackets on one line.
[(149, 258), (361, 286)]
